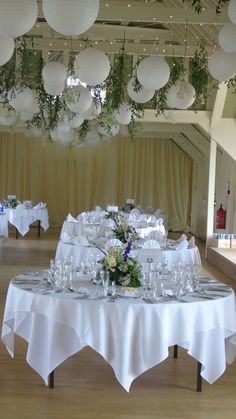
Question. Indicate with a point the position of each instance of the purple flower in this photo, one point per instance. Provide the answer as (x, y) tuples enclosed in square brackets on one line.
[(127, 250)]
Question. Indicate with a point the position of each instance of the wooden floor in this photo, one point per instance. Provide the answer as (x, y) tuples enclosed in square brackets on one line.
[(86, 387)]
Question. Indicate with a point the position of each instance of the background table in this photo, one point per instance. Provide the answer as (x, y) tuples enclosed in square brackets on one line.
[(22, 218), (132, 336), (3, 225)]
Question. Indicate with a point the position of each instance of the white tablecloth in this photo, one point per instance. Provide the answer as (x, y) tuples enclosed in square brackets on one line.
[(131, 335), (22, 218), (3, 225), (172, 257)]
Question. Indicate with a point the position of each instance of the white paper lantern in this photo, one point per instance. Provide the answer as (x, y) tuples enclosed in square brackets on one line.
[(63, 127), (21, 99), (62, 137), (17, 17), (92, 66), (70, 17), (7, 46), (54, 89), (76, 121), (93, 111), (54, 73), (227, 37), (153, 72), (92, 138), (232, 11), (107, 131), (142, 96), (123, 114), (80, 100), (36, 132), (26, 115), (222, 65), (181, 95)]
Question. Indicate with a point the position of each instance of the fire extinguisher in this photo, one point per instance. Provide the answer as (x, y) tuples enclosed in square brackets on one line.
[(220, 218)]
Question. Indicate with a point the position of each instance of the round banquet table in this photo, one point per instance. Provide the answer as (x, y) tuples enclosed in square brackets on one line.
[(3, 225), (131, 335), (22, 218), (172, 257)]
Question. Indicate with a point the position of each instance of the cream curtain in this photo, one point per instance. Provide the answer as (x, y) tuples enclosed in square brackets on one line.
[(154, 172)]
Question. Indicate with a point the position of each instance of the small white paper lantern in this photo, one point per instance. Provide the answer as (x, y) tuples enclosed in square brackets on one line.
[(80, 100), (17, 17), (62, 137), (123, 114), (93, 111), (26, 115), (107, 131), (142, 96), (63, 127), (54, 73), (36, 132), (7, 46), (21, 99), (153, 72), (227, 37), (8, 119), (54, 89), (70, 17), (181, 95), (92, 66), (232, 11), (92, 138), (222, 65)]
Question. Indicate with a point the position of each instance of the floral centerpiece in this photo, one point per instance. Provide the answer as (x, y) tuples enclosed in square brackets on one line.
[(123, 269), (123, 231), (10, 203)]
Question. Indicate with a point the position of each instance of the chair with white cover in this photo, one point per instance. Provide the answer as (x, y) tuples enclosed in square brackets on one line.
[(113, 243), (151, 244), (105, 227), (151, 220)]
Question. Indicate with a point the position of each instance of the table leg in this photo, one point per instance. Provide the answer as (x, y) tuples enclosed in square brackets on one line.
[(17, 234), (39, 227), (199, 377), (175, 354), (51, 380)]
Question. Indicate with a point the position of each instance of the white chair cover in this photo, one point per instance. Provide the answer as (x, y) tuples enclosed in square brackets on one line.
[(151, 244), (113, 243)]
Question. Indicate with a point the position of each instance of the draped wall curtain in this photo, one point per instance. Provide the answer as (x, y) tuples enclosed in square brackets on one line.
[(154, 172)]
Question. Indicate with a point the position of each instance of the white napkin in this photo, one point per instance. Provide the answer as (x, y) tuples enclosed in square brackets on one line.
[(66, 237), (113, 243), (182, 245), (183, 237), (191, 242), (40, 205), (72, 219), (20, 206), (81, 241), (151, 244)]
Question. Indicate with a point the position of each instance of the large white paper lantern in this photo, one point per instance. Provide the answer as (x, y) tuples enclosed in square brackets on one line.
[(26, 115), (92, 66), (54, 73), (232, 11), (70, 17), (54, 89), (17, 17), (93, 111), (92, 138), (80, 100), (123, 114), (181, 95), (142, 96), (108, 131), (222, 65), (76, 121), (7, 46), (153, 72), (227, 37), (21, 99), (62, 137)]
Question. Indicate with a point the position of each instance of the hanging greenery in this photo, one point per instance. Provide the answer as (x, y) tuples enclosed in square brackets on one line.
[(198, 6)]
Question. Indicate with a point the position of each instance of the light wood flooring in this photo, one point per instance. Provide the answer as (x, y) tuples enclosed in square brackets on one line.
[(86, 387)]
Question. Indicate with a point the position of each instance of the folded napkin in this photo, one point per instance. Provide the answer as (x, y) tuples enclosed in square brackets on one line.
[(81, 241), (183, 237), (151, 244), (191, 242), (182, 245), (40, 205), (20, 207), (113, 243), (66, 237), (72, 219)]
